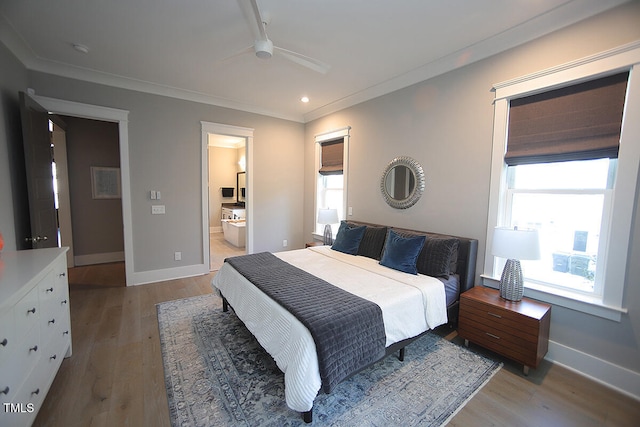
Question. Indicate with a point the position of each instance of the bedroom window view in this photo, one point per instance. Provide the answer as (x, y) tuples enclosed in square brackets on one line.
[(566, 202)]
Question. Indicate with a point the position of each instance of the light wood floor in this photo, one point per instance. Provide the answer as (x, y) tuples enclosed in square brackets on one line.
[(115, 375)]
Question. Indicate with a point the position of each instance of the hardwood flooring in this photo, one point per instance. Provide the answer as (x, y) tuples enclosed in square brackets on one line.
[(115, 376)]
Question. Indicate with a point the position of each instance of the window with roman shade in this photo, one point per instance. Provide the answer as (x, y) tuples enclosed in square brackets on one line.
[(565, 162), (578, 122), (332, 157)]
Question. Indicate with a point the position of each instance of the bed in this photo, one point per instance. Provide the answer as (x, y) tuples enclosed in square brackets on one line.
[(324, 313)]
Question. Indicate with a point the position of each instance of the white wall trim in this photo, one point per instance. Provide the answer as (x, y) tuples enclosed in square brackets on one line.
[(613, 376), (162, 275), (102, 258), (96, 112)]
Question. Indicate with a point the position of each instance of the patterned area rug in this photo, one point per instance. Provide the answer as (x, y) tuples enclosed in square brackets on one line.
[(217, 374)]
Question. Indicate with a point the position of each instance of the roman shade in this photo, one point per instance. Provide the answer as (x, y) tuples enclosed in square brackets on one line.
[(332, 157), (578, 122)]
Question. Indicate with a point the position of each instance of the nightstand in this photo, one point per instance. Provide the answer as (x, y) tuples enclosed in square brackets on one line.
[(315, 243), (516, 330)]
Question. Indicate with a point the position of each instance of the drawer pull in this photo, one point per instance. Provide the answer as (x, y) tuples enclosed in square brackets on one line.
[(52, 357), (64, 301), (4, 342), (494, 315), (5, 391), (49, 289), (65, 333), (32, 311), (36, 391), (62, 274), (51, 321), (492, 336), (34, 348)]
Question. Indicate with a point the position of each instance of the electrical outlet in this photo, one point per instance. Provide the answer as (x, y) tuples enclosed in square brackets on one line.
[(177, 256), (284, 243), (350, 210), (157, 209)]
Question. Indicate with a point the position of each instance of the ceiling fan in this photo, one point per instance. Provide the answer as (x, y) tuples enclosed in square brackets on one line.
[(264, 48)]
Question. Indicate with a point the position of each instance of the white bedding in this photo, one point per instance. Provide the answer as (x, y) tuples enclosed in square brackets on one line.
[(410, 305)]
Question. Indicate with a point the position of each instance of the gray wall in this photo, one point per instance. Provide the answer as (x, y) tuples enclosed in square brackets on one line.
[(165, 155), (446, 124)]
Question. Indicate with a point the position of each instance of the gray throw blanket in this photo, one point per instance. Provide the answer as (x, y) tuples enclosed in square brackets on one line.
[(348, 330)]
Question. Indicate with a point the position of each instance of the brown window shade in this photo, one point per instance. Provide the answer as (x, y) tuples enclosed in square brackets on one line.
[(332, 157), (578, 122)]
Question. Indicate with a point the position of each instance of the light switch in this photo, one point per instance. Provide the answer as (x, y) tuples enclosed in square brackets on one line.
[(158, 195), (157, 210), (153, 194)]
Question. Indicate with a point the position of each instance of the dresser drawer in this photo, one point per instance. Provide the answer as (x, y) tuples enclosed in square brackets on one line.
[(7, 334), (23, 358), (26, 314)]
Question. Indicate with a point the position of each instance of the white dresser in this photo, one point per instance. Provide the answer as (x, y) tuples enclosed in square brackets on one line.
[(35, 329)]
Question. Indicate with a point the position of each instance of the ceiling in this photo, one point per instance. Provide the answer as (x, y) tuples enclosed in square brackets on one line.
[(182, 48)]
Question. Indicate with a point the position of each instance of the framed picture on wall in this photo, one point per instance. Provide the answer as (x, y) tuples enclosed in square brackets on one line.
[(105, 183)]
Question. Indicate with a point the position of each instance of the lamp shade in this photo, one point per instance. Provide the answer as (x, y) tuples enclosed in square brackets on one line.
[(328, 216), (517, 244)]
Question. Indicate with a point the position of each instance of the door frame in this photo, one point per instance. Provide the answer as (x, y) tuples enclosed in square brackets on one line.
[(107, 114), (237, 131)]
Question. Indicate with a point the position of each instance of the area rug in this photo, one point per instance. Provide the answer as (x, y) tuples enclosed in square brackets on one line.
[(216, 374)]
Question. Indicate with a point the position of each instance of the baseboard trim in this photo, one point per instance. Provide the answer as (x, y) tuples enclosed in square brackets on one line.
[(152, 276), (606, 373), (103, 258)]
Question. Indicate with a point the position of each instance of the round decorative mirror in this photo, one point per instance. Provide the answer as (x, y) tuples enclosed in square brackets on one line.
[(402, 182)]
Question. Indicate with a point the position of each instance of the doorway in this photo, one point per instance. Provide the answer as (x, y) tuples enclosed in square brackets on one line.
[(226, 191), (120, 117)]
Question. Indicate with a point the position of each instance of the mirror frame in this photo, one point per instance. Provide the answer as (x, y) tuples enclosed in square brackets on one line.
[(418, 188)]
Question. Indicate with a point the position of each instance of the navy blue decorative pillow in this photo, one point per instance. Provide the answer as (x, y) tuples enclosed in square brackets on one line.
[(401, 253), (348, 239)]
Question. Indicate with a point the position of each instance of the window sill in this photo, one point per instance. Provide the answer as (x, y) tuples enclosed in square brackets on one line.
[(574, 301)]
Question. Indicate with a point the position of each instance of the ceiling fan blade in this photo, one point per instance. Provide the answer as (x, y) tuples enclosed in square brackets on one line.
[(254, 18), (303, 60), (249, 49)]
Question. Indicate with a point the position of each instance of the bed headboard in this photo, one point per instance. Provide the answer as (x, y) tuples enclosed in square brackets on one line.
[(467, 252)]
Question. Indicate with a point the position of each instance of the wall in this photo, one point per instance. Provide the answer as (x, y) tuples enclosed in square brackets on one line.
[(14, 206), (446, 124), (97, 223), (165, 151)]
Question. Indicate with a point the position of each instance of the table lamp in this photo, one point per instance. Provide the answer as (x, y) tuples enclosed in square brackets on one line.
[(328, 217), (514, 245)]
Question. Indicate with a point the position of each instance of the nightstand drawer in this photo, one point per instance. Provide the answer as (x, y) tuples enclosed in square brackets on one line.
[(501, 319)]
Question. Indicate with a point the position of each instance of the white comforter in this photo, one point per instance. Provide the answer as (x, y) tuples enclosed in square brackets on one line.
[(410, 305)]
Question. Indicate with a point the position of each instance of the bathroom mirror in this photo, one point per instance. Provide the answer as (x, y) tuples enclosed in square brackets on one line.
[(241, 187), (402, 182)]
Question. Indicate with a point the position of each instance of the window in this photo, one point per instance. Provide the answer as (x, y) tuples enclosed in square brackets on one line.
[(565, 202), (576, 186), (331, 179)]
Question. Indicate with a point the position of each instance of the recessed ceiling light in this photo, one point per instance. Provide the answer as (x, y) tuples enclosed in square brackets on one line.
[(304, 99), (81, 48)]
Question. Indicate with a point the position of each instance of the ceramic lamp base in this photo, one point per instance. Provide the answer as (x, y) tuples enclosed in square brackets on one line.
[(328, 235), (511, 282)]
